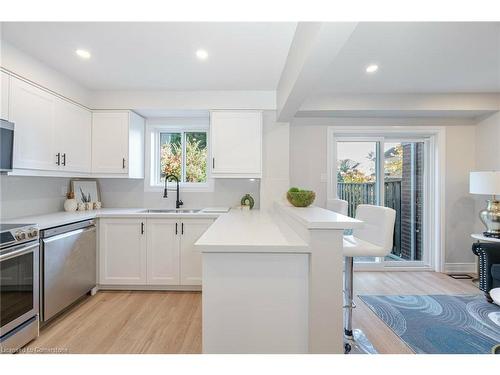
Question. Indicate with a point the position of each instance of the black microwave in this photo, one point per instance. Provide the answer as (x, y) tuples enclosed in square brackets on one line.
[(6, 145)]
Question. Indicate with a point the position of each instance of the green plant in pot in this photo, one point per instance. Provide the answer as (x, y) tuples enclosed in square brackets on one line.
[(300, 198)]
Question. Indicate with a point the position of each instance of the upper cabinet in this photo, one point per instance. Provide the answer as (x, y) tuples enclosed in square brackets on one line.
[(51, 133), (32, 111), (236, 144), (73, 136), (4, 103), (118, 144)]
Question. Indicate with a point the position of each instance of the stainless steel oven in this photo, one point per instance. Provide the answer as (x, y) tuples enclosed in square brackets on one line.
[(19, 285), (6, 145)]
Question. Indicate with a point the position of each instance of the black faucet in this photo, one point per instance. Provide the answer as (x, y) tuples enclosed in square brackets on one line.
[(178, 202)]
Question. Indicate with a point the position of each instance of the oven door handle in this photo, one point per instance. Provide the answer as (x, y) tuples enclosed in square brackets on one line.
[(21, 251)]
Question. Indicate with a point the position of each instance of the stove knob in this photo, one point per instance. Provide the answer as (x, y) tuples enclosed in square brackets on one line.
[(33, 232), (20, 235)]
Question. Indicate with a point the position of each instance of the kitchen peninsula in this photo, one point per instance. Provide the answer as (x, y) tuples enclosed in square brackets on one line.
[(272, 281)]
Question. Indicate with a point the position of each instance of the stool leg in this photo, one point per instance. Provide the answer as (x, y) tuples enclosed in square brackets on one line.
[(355, 341), (348, 296)]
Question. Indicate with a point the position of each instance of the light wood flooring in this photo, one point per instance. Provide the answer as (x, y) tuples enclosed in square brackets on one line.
[(170, 322)]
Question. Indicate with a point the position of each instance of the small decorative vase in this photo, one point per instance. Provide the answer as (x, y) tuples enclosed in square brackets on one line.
[(97, 205), (81, 206), (70, 205), (247, 200), (89, 206)]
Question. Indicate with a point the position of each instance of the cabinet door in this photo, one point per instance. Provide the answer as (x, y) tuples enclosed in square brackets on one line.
[(110, 142), (32, 111), (122, 252), (236, 143), (73, 136), (163, 251), (4, 103), (191, 231)]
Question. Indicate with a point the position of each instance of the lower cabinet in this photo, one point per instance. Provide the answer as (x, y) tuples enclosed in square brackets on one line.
[(163, 251), (150, 251), (190, 256), (122, 252)]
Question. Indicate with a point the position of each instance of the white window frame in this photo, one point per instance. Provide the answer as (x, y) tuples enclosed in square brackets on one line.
[(173, 125), (434, 199)]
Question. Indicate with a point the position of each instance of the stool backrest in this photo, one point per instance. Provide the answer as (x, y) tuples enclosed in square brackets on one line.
[(339, 206), (378, 227)]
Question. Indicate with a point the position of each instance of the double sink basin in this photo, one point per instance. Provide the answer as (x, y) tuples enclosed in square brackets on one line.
[(172, 211)]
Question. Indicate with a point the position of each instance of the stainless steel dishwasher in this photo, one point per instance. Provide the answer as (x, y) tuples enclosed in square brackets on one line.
[(67, 266)]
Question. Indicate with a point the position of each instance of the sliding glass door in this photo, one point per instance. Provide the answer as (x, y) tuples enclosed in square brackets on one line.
[(392, 173)]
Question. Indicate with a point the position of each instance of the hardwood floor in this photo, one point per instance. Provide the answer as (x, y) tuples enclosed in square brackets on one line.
[(170, 322)]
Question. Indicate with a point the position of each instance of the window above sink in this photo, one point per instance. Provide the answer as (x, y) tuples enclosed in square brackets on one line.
[(178, 146)]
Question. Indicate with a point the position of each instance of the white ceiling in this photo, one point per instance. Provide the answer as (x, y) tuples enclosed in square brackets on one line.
[(142, 56), (418, 57), (413, 57)]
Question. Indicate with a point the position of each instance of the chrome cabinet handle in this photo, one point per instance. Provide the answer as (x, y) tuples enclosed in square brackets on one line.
[(58, 156), (182, 228), (213, 163), (64, 159), (176, 228), (142, 228), (123, 163)]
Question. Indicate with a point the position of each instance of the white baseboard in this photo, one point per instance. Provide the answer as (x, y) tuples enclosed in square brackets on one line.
[(182, 288), (460, 268)]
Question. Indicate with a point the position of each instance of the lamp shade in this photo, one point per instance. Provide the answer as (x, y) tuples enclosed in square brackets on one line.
[(486, 183)]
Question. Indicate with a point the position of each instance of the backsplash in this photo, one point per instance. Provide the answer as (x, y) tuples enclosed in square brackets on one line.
[(130, 193), (25, 196)]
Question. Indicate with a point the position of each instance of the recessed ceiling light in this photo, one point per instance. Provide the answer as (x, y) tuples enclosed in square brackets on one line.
[(372, 68), (202, 54), (83, 53)]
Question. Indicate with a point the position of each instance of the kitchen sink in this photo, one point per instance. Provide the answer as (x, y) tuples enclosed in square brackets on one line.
[(172, 211)]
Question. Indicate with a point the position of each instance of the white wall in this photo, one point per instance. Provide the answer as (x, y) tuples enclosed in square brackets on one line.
[(488, 148), (275, 160), (34, 70), (308, 162), (183, 100), (461, 216), (487, 155)]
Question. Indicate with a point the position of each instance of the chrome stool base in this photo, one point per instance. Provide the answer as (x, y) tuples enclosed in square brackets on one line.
[(358, 343)]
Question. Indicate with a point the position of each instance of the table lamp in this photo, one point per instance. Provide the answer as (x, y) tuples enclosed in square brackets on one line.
[(488, 183)]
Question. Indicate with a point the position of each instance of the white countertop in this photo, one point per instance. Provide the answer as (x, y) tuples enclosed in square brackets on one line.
[(313, 217), (250, 231), (61, 218)]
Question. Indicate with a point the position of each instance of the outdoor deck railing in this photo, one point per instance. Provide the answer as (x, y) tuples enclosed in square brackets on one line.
[(365, 193)]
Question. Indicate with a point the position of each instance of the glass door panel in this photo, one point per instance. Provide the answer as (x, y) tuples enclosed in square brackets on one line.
[(404, 192), (357, 177)]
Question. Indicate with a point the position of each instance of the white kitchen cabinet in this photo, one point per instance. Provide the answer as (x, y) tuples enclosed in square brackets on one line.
[(236, 144), (190, 256), (163, 251), (51, 133), (4, 102), (73, 136), (33, 112), (118, 144), (122, 251), (149, 251)]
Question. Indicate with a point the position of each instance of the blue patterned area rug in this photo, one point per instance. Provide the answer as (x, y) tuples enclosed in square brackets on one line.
[(440, 324)]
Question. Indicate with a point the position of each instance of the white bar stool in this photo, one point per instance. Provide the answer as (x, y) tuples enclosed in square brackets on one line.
[(338, 205), (374, 239)]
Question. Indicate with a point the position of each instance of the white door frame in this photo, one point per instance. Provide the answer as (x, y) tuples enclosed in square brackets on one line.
[(435, 197)]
